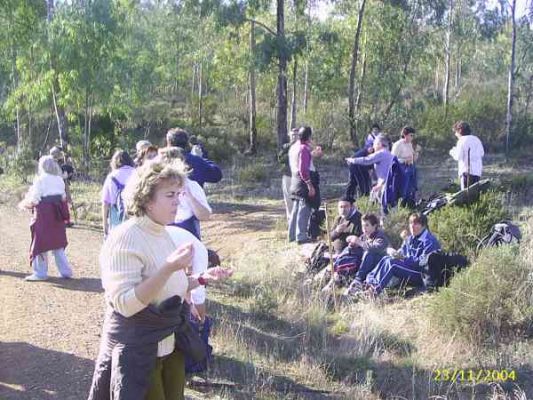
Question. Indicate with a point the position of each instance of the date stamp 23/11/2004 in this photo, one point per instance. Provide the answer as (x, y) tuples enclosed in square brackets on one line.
[(474, 375)]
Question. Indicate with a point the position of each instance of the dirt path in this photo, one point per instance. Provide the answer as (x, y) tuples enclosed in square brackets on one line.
[(49, 331)]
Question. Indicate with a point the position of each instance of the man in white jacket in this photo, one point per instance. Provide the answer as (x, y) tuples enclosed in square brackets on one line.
[(468, 152)]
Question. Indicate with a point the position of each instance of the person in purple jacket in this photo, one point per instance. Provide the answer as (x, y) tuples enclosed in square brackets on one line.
[(113, 211), (381, 158)]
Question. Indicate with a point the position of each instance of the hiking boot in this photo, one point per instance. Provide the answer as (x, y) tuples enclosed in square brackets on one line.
[(35, 278)]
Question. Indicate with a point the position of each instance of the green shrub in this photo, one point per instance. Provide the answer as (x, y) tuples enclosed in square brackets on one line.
[(460, 229), (489, 300), (485, 114), (22, 166), (264, 301), (252, 174)]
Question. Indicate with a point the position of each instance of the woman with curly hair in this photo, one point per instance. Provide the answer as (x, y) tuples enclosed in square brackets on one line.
[(145, 281)]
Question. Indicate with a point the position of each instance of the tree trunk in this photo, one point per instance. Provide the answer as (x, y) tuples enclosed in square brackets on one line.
[(62, 122), (86, 133), (200, 96), (437, 82), (458, 67), (447, 60), (252, 118), (14, 82), (282, 75), (294, 86), (510, 87), (353, 69), (359, 97)]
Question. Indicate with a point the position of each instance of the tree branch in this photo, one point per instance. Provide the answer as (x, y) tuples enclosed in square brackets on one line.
[(261, 25)]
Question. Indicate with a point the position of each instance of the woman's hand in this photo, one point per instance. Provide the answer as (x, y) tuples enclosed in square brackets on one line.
[(180, 258)]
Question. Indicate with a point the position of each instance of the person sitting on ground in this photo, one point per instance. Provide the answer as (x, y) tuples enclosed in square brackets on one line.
[(193, 206), (372, 246), (381, 158), (468, 152), (407, 156), (407, 263), (143, 274), (348, 223), (361, 255), (46, 198), (202, 170), (67, 171), (139, 148), (113, 209), (146, 154)]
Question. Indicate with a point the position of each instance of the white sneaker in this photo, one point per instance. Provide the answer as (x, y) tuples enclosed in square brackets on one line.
[(35, 278)]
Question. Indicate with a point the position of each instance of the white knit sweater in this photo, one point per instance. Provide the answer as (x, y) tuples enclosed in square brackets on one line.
[(133, 252)]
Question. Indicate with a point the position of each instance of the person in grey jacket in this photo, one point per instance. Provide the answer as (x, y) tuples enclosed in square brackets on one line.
[(374, 244)]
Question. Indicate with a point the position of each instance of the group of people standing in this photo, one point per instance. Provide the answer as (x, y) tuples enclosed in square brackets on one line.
[(153, 263)]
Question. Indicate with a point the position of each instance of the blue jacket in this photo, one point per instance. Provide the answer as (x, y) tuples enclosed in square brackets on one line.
[(392, 191), (203, 170), (416, 247)]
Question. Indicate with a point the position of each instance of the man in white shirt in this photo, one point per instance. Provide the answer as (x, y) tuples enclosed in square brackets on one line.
[(468, 152)]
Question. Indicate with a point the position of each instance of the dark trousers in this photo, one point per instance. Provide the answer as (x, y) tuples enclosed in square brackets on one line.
[(468, 180), (369, 262)]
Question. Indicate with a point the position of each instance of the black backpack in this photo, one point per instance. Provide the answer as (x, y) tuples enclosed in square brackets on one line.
[(317, 262), (504, 232), (440, 268)]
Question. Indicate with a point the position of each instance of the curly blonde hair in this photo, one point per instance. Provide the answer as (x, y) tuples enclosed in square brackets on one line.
[(141, 188)]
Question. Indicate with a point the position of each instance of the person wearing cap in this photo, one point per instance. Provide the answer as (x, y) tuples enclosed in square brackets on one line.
[(468, 153), (403, 150), (381, 158), (202, 169), (283, 159)]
